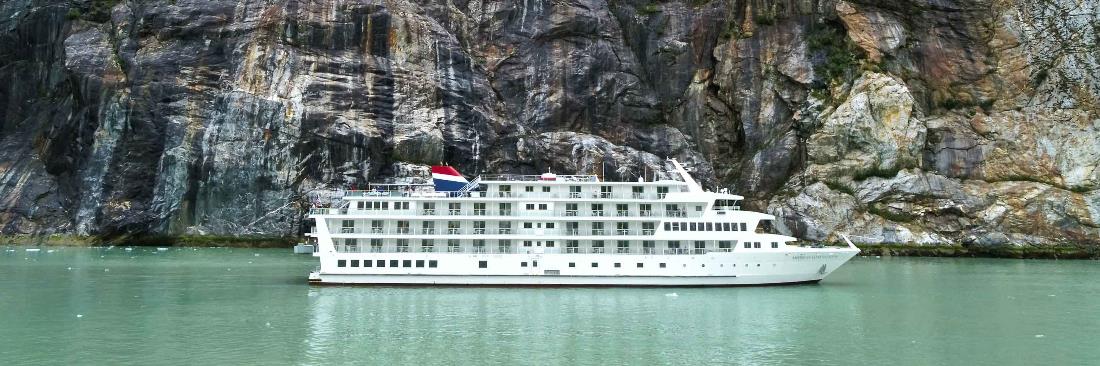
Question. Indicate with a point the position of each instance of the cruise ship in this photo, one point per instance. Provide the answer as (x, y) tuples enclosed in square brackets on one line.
[(557, 230)]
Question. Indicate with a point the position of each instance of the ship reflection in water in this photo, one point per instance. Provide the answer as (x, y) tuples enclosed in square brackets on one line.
[(249, 306)]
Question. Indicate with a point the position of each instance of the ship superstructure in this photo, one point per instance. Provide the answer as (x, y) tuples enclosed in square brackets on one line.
[(568, 230)]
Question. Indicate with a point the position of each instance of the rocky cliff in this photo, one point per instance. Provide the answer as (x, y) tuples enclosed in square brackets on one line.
[(909, 121)]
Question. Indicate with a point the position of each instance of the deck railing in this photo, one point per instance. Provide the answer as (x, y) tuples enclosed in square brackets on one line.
[(528, 250), (499, 213), (509, 194), (498, 231)]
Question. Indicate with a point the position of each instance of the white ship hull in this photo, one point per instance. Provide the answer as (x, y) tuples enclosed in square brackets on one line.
[(806, 265)]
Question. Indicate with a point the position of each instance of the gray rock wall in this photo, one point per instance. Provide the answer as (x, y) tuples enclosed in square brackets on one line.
[(968, 121)]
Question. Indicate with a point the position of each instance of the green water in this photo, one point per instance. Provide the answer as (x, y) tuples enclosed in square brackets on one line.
[(248, 306)]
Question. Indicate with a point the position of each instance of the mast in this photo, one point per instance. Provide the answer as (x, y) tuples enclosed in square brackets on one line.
[(692, 185)]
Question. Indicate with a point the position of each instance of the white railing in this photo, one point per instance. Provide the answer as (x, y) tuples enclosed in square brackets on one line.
[(537, 178), (495, 249), (498, 231), (497, 213), (509, 194)]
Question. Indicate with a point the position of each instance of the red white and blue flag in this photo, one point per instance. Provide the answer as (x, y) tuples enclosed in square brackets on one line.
[(447, 179)]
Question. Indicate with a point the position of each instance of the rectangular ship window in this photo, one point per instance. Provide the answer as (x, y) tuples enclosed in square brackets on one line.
[(748, 244), (710, 226), (662, 265), (419, 263), (341, 263), (775, 245), (743, 227), (668, 226), (355, 263), (572, 264), (726, 226), (368, 263), (433, 263), (640, 265), (618, 265), (692, 226), (407, 263), (483, 264), (523, 264), (380, 263), (534, 263), (393, 263), (594, 264)]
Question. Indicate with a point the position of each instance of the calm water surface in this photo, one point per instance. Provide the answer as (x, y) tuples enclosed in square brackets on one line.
[(248, 306)]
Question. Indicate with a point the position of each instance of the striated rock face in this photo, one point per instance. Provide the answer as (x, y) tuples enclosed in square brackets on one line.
[(960, 121)]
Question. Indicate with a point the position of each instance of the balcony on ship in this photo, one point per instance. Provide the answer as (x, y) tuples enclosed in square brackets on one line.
[(509, 195), (506, 213), (488, 231), (495, 249)]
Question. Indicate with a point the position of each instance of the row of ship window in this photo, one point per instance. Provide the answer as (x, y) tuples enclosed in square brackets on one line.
[(420, 263), (381, 263), (673, 244), (705, 226), (596, 227), (505, 208), (604, 190)]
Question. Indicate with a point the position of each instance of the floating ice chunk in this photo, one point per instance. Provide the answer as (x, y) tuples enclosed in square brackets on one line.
[(256, 254), (70, 268), (34, 250), (1040, 335), (50, 251), (78, 316), (106, 270), (1051, 295), (673, 294), (162, 249), (129, 249)]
